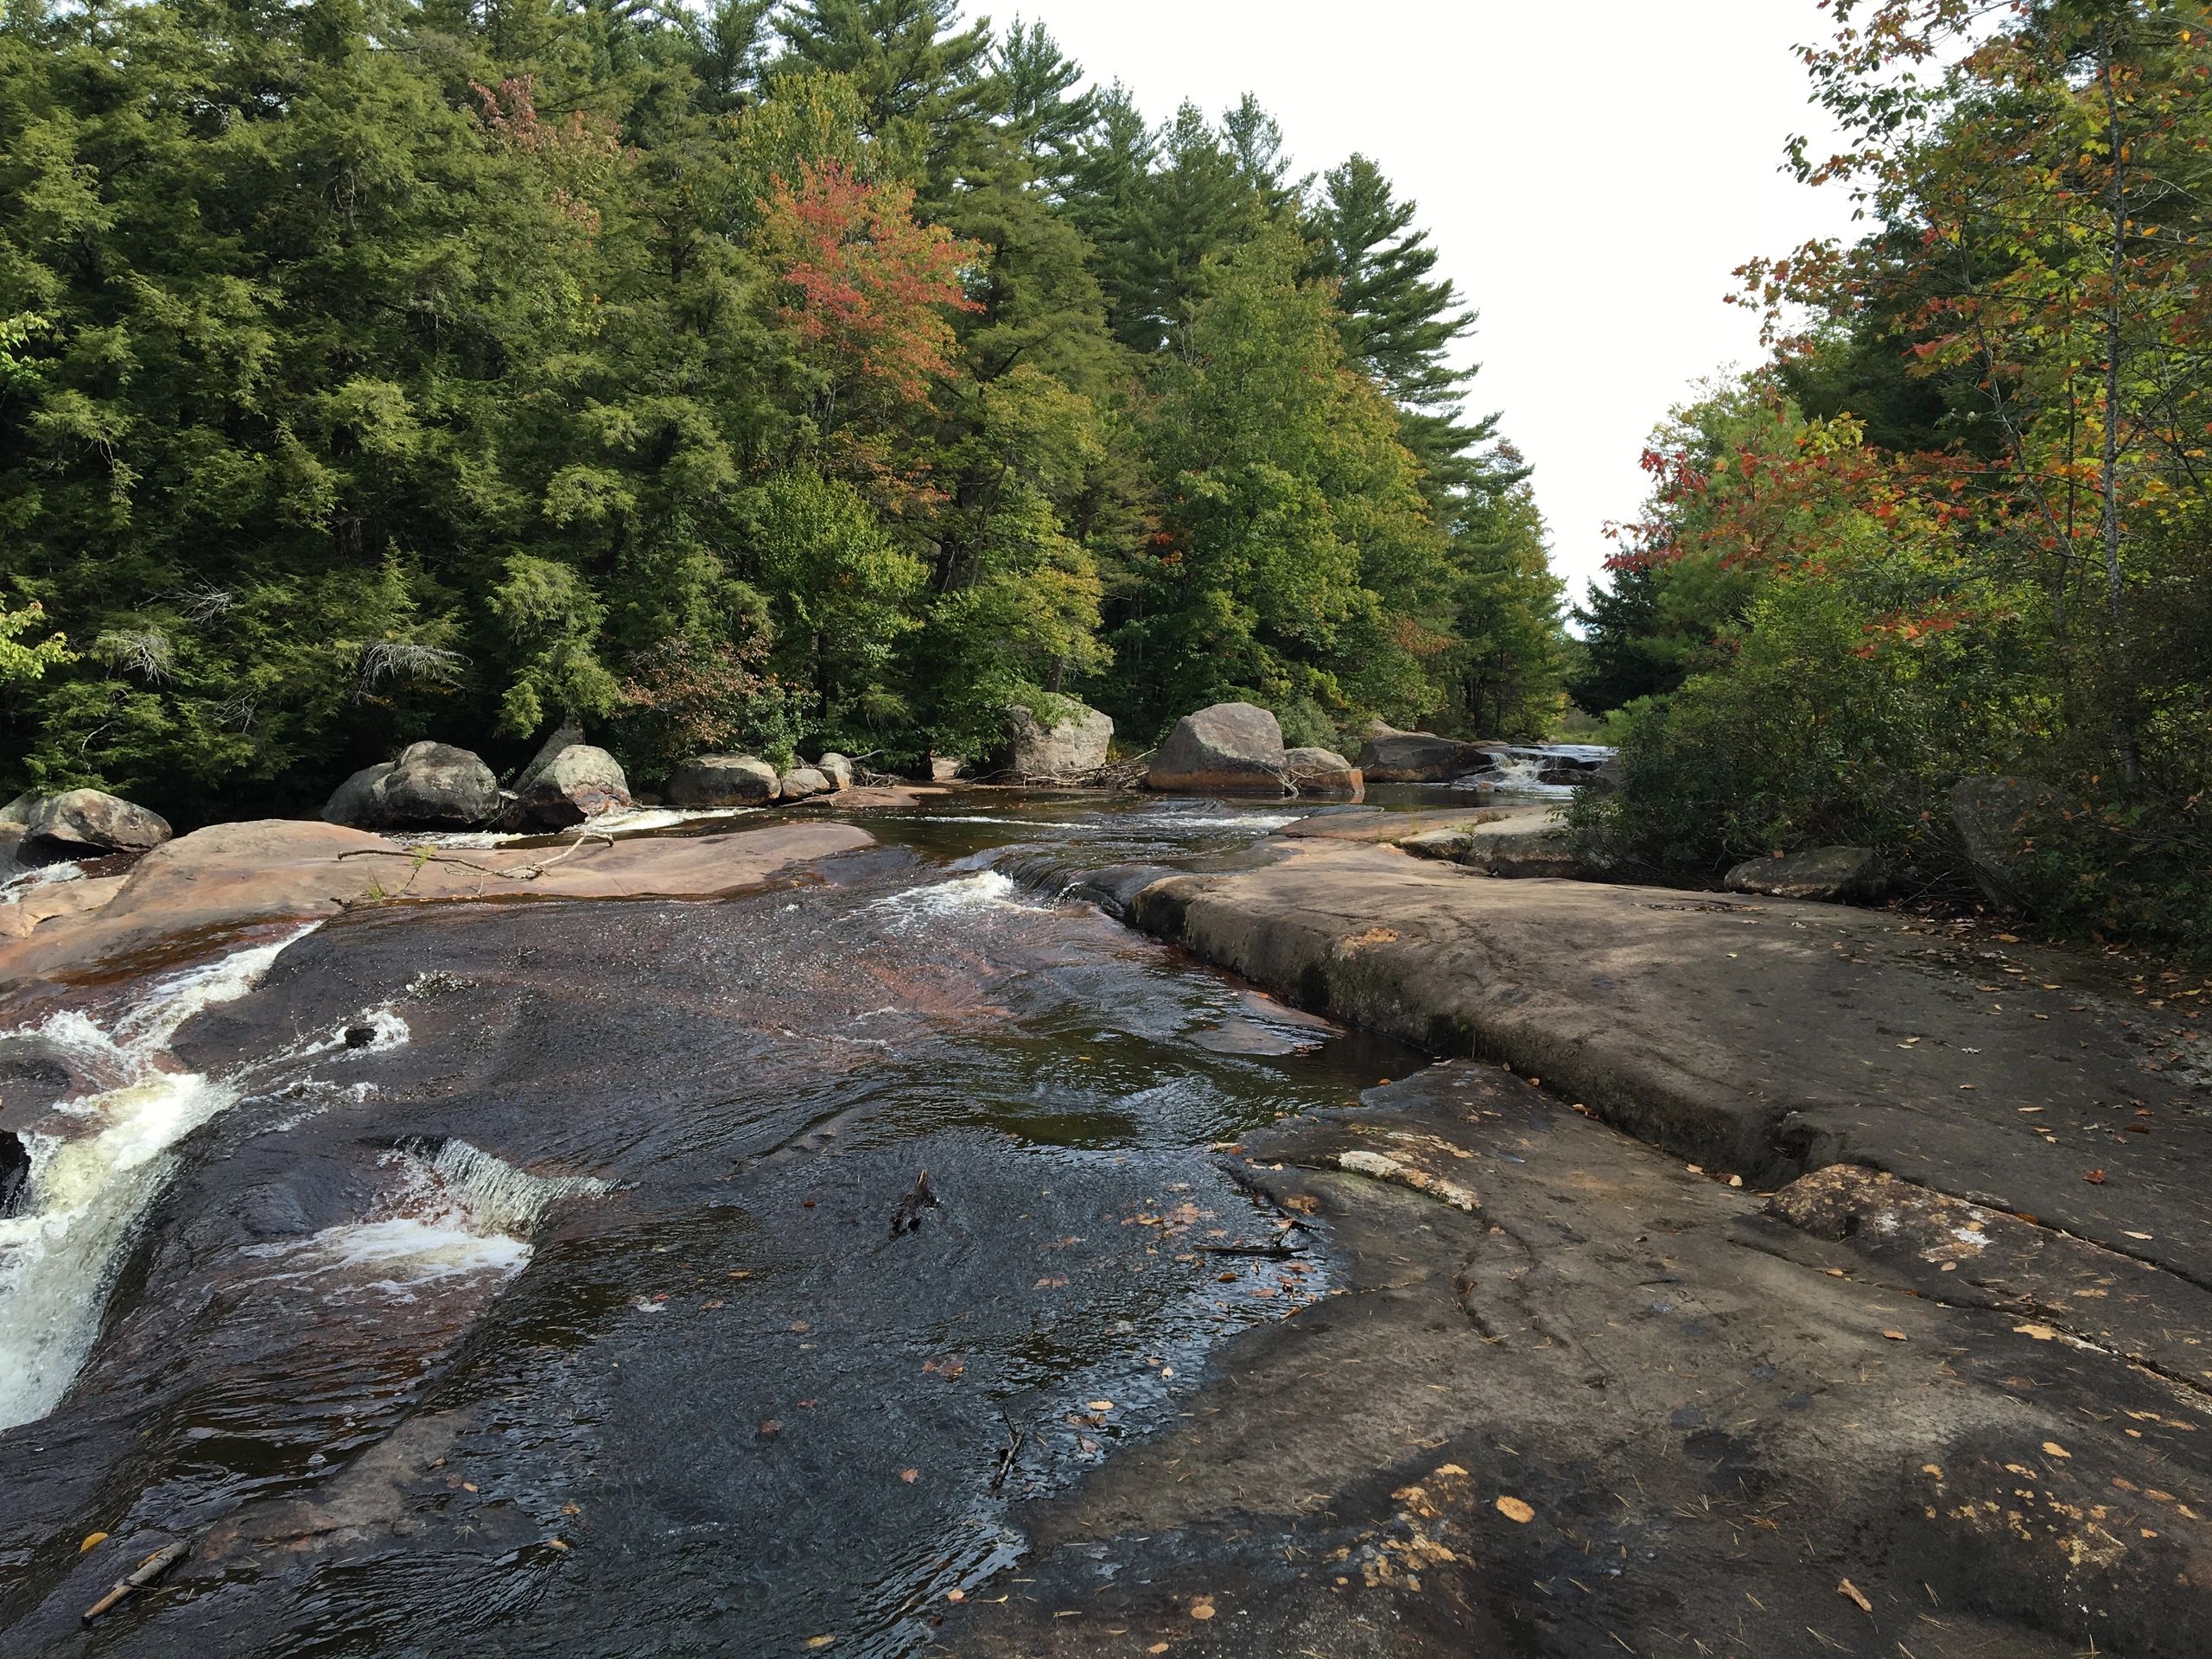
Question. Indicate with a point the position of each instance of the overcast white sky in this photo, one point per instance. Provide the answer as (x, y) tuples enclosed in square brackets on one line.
[(1590, 172)]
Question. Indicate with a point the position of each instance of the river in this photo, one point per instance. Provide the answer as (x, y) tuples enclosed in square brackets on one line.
[(517, 1278)]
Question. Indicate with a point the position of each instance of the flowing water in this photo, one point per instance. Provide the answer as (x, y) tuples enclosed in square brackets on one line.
[(521, 1278)]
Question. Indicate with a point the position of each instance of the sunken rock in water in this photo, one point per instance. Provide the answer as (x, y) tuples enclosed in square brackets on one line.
[(720, 780), (579, 781), (1230, 748), (431, 785), (801, 782), (1994, 817), (1419, 758), (1840, 874), (1067, 745), (836, 769), (79, 821), (1323, 775)]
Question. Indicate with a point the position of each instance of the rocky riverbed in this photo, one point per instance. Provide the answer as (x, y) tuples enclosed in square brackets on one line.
[(1360, 1254)]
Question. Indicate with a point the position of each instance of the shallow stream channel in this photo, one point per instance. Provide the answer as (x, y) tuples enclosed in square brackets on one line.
[(522, 1277)]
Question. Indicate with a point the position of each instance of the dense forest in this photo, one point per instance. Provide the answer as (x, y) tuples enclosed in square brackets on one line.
[(1959, 523), (831, 373)]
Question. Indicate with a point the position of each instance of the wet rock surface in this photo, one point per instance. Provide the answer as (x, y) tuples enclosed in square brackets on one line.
[(539, 1279), (1616, 1407)]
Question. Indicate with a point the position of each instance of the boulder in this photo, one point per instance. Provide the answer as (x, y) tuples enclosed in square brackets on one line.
[(1072, 745), (431, 785), (801, 782), (1419, 758), (721, 780), (354, 801), (944, 768), (1606, 778), (1837, 875), (837, 769), (1994, 817), (1230, 748), (93, 821), (567, 736), (579, 781), (18, 811), (1323, 775)]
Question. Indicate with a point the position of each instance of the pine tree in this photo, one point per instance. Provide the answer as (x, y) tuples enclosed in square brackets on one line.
[(1038, 114)]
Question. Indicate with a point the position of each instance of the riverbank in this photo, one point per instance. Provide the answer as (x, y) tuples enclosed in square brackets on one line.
[(1781, 1278)]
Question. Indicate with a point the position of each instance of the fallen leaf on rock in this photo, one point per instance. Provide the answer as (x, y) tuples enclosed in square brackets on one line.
[(1202, 1608), (716, 1304), (1305, 1203), (2095, 1177), (92, 1538), (1083, 1443), (1514, 1509), (1157, 1647), (1894, 1336), (956, 1595), (1226, 1278), (801, 1326), (948, 1368), (571, 1509), (820, 1641), (1848, 1588), (1099, 1405), (909, 1476), (1450, 1469), (1050, 1283), (770, 1426), (2053, 1449)]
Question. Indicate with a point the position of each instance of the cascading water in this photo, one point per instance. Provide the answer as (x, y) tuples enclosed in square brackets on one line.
[(84, 1191)]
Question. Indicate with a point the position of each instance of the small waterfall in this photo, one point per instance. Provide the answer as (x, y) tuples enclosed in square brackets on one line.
[(84, 1192), (500, 1198)]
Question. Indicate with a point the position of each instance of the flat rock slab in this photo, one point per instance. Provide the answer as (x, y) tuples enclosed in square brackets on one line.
[(1762, 1037), (1616, 1407), (216, 882)]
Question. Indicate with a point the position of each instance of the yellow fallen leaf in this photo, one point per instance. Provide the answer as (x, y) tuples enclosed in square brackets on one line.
[(1202, 1609), (1894, 1336), (1514, 1509), (2040, 1332), (820, 1641), (92, 1538), (1848, 1588), (956, 1595), (1099, 1405), (1450, 1469), (2053, 1449), (1157, 1647)]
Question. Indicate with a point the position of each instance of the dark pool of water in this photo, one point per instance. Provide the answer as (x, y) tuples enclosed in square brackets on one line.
[(563, 1313)]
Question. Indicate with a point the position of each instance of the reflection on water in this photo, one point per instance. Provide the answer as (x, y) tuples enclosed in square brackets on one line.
[(520, 1277)]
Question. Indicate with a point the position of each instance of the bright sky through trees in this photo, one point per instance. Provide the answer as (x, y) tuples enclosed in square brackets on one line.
[(1591, 175)]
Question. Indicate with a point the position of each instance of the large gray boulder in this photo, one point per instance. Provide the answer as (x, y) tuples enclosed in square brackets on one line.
[(577, 782), (1837, 875), (1419, 758), (837, 769), (1994, 817), (565, 736), (1323, 775), (17, 812), (78, 821), (354, 801), (431, 785), (707, 780), (802, 783), (1072, 744), (1232, 748)]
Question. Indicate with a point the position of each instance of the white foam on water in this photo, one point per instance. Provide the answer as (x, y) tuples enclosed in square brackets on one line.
[(86, 1191), (1258, 822), (17, 887), (452, 1218), (636, 821), (985, 890)]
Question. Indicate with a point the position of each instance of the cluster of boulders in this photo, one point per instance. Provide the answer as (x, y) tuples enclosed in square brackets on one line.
[(568, 782), (1236, 748)]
